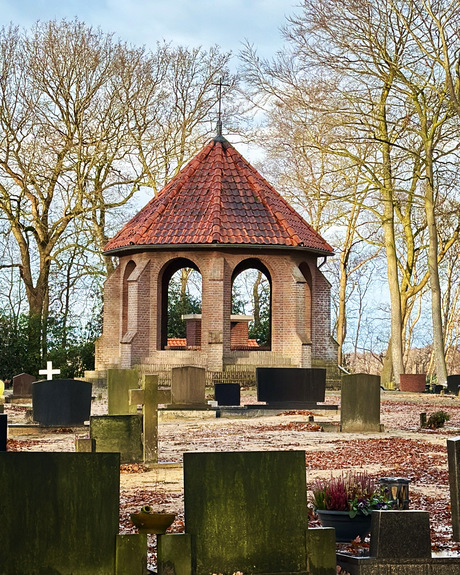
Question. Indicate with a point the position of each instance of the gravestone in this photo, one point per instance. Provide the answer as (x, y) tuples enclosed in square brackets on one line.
[(453, 384), (246, 511), (62, 516), (291, 386), (22, 385), (148, 397), (118, 434), (119, 382), (59, 402), (360, 403), (188, 385), (453, 457), (227, 393), (3, 431), (387, 528)]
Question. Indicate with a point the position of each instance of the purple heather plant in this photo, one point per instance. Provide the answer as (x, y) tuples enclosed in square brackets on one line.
[(354, 492)]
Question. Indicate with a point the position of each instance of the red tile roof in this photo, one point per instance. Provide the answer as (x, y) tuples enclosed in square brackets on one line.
[(218, 198)]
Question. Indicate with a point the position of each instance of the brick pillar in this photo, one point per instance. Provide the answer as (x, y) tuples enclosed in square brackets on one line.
[(214, 332)]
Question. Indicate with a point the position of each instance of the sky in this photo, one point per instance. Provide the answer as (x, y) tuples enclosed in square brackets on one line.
[(192, 23)]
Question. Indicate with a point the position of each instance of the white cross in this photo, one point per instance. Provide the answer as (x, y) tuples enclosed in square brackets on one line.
[(49, 371)]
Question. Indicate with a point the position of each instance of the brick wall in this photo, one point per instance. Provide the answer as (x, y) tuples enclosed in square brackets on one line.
[(300, 297)]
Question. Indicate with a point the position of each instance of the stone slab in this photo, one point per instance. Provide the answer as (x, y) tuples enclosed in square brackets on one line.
[(61, 515), (174, 554), (453, 458), (188, 384), (118, 434), (374, 566), (400, 534), (131, 557), (321, 551), (453, 384), (61, 402), (119, 382), (227, 393), (3, 431), (22, 385), (360, 403), (290, 385), (246, 511)]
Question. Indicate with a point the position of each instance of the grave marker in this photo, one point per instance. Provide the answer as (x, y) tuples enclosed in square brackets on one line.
[(3, 431), (118, 434), (387, 528), (49, 371), (360, 403), (246, 511), (290, 386), (63, 514), (119, 382), (227, 393), (453, 384), (61, 402), (148, 398), (453, 456), (188, 385), (22, 385)]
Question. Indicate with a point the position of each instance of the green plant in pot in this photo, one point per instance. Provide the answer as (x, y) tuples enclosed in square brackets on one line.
[(346, 503)]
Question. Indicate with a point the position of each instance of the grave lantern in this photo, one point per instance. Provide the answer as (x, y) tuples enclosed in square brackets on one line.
[(398, 491)]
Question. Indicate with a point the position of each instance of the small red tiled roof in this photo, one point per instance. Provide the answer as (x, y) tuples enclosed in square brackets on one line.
[(218, 198)]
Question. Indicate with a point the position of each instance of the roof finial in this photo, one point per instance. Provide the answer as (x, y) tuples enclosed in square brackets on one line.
[(219, 99)]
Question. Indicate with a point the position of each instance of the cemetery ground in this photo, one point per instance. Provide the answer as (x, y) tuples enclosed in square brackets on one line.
[(403, 449)]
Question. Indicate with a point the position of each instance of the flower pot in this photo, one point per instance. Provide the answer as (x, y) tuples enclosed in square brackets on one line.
[(346, 528), (152, 522), (415, 382)]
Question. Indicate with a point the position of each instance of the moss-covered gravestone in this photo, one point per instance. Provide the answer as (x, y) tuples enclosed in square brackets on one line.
[(119, 382), (61, 513), (118, 433), (246, 511), (360, 403)]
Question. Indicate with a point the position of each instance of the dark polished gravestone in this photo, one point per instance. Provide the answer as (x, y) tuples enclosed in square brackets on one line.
[(61, 402), (453, 384), (290, 386), (22, 385), (227, 393), (3, 431)]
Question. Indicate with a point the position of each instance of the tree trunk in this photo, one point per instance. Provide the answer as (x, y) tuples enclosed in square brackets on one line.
[(390, 243), (436, 298)]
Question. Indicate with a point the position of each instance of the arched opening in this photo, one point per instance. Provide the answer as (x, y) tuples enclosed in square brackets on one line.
[(181, 306), (130, 267), (305, 270), (251, 318)]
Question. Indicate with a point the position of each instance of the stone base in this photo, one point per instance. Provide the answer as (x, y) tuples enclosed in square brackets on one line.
[(285, 406), (373, 566), (19, 399)]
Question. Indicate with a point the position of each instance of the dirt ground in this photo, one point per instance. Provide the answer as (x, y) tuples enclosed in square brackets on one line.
[(403, 449)]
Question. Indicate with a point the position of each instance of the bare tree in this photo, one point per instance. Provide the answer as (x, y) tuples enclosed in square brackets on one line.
[(383, 108), (77, 108)]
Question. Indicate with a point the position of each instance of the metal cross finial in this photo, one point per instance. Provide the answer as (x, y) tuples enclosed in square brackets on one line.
[(219, 99)]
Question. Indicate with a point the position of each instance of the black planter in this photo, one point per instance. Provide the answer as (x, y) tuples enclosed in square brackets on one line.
[(346, 528)]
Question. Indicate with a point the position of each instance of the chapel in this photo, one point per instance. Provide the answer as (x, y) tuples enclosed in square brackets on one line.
[(218, 216)]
